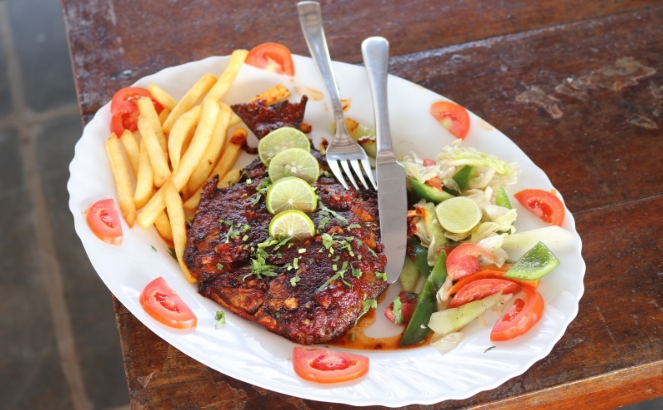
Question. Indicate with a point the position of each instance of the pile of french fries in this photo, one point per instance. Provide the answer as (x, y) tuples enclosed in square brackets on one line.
[(174, 153)]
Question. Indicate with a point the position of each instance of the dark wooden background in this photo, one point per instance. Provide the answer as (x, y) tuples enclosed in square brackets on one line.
[(536, 71)]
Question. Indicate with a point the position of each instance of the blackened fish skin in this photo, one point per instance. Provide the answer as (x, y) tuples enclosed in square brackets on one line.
[(299, 302)]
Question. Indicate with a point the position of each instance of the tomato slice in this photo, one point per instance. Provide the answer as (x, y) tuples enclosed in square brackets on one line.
[(165, 305), (483, 288), (272, 57), (124, 109), (328, 366), (429, 162), (104, 221), (464, 260), (408, 303), (489, 274), (520, 318), (435, 182), (452, 117), (543, 204)]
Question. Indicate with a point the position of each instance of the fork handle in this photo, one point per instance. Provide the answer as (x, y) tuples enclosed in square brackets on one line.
[(310, 18), (375, 51)]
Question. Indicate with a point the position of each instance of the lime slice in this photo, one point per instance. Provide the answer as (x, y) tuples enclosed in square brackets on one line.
[(293, 224), (537, 262), (294, 162), (291, 193), (458, 215), (280, 140)]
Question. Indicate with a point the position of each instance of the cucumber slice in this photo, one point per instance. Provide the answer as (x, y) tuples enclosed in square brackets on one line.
[(537, 262), (452, 320), (409, 275)]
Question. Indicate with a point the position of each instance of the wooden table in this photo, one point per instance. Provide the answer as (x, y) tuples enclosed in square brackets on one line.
[(539, 72)]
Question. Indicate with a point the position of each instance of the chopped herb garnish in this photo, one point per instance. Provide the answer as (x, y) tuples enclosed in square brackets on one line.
[(368, 304), (356, 272), (359, 257), (336, 258), (245, 237), (172, 253), (294, 280), (334, 267), (262, 188), (359, 242), (381, 275), (490, 348), (246, 228), (327, 240), (154, 249), (279, 255), (341, 219), (339, 274), (323, 222), (219, 266), (324, 173), (398, 312), (248, 181), (354, 226), (352, 337), (255, 199), (301, 250), (295, 263), (220, 318)]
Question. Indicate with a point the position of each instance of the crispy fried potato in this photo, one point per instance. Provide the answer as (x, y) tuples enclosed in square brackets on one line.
[(181, 175), (147, 111), (230, 178), (122, 180), (225, 163), (213, 152), (144, 178), (162, 97), (234, 118), (305, 128), (177, 224), (274, 95), (162, 223), (158, 157), (189, 100), (164, 114), (180, 134), (132, 149), (225, 80)]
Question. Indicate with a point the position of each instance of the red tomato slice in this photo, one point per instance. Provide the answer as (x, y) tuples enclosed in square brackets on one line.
[(452, 117), (408, 303), (520, 318), (164, 305), (488, 274), (483, 288), (124, 109), (328, 366), (543, 204), (464, 260), (435, 182), (272, 57), (103, 220)]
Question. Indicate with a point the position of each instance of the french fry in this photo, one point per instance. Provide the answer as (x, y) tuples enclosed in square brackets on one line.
[(158, 158), (147, 111), (162, 97), (214, 150), (231, 177), (225, 163), (182, 130), (274, 95), (223, 83), (234, 118), (162, 224), (189, 100), (144, 178), (132, 149), (122, 180), (179, 177), (164, 114), (177, 224)]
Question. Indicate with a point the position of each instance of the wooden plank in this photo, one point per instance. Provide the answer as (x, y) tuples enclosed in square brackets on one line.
[(115, 43)]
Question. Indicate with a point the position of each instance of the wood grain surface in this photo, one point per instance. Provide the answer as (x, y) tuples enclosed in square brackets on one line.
[(538, 71)]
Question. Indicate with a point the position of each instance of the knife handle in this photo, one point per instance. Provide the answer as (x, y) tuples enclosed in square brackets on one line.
[(375, 51)]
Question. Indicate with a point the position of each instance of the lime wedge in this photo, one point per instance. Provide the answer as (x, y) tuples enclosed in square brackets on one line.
[(280, 140), (293, 224), (537, 262), (294, 162), (291, 193), (458, 215)]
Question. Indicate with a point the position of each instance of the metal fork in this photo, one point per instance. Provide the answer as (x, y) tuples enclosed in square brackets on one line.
[(342, 149)]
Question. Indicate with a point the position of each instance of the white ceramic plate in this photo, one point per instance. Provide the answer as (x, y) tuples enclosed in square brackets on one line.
[(248, 352)]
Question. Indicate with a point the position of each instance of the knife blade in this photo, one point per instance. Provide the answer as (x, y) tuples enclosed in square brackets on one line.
[(392, 197)]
